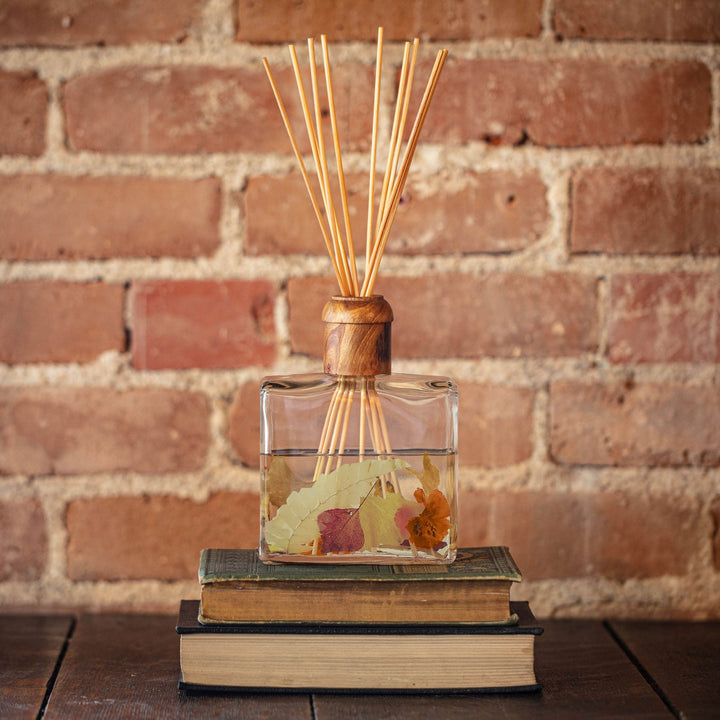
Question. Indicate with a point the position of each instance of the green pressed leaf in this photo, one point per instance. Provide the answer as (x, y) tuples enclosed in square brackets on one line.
[(429, 476), (279, 481), (295, 527), (377, 518)]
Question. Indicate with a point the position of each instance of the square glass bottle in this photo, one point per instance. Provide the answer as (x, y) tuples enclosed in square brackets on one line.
[(358, 465)]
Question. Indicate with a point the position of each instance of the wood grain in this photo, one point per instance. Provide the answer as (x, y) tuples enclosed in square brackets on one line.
[(357, 336), (127, 666), (681, 659), (584, 673), (30, 648)]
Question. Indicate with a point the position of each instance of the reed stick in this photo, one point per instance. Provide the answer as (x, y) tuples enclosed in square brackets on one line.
[(373, 147), (381, 238), (339, 166), (304, 173), (324, 175), (394, 135)]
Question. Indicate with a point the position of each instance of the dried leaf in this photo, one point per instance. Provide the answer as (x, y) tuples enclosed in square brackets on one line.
[(378, 517), (295, 526), (340, 530), (429, 476), (279, 481)]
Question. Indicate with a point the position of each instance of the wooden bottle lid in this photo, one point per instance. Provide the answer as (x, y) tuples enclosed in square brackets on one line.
[(357, 335)]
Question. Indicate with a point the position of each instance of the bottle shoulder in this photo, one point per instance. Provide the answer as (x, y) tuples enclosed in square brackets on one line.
[(392, 383)]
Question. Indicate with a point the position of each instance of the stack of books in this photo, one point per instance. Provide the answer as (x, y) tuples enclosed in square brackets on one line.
[(383, 628)]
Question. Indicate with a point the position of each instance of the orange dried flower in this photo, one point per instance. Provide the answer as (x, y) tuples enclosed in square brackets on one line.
[(428, 529)]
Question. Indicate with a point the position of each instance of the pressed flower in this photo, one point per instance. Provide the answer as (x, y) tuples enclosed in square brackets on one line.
[(428, 529)]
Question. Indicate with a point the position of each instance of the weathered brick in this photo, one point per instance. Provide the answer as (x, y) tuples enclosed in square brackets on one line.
[(61, 217), (206, 324), (566, 535), (23, 108), (647, 210), (574, 102), (493, 212), (198, 109), (655, 424), (358, 20), (23, 540), (95, 22), (495, 424), (453, 315), (667, 317), (244, 424), (59, 322), (69, 430), (154, 537), (690, 20)]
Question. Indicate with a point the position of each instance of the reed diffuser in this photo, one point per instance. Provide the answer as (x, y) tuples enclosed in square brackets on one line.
[(358, 464)]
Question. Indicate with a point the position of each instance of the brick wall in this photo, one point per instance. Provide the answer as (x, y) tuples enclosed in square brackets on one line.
[(557, 252)]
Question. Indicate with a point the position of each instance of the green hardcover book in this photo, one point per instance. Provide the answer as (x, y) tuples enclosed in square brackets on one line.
[(345, 657), (237, 587)]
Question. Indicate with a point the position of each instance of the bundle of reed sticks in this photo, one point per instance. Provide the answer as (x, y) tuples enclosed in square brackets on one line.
[(341, 247), (339, 240)]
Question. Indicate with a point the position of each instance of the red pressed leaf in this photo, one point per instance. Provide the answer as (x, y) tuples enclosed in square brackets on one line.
[(340, 530)]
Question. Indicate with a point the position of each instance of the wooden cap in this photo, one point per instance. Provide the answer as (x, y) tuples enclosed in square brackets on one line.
[(357, 335)]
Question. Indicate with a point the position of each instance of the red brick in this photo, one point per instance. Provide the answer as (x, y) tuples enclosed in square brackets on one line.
[(453, 315), (68, 430), (495, 424), (95, 22), (491, 212), (155, 537), (690, 20), (570, 103), (244, 425), (60, 217), (648, 210), (358, 20), (207, 324), (23, 540), (668, 317), (23, 108), (59, 322), (654, 424), (197, 109), (619, 536)]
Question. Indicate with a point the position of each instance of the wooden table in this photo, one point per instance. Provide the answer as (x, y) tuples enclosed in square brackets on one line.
[(126, 666)]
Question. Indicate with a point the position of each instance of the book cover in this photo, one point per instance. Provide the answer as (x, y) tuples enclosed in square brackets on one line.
[(237, 587), (473, 563), (345, 657)]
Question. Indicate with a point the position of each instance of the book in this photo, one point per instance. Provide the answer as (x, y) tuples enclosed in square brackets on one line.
[(236, 586), (342, 657)]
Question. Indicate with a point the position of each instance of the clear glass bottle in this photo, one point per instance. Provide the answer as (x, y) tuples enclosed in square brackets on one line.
[(358, 465)]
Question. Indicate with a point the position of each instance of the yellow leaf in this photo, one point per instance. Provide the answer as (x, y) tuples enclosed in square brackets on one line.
[(429, 476), (377, 518)]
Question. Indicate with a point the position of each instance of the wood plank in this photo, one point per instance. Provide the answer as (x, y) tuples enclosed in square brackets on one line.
[(584, 673), (30, 648), (127, 666), (682, 658)]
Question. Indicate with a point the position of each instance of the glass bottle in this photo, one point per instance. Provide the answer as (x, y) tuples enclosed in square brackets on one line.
[(358, 465)]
